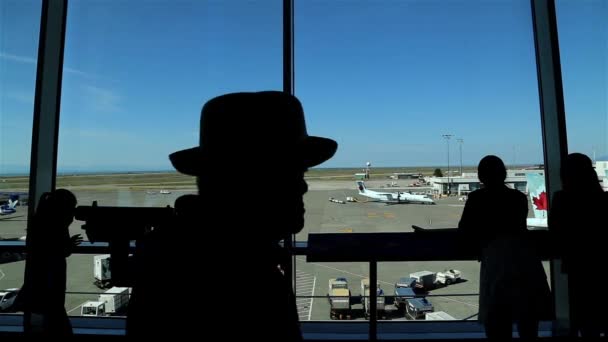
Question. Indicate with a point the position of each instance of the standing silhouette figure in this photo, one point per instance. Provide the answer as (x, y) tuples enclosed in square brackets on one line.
[(250, 163), (577, 217), (48, 245), (513, 286)]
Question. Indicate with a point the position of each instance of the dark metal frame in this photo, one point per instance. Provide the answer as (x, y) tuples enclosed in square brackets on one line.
[(45, 132), (553, 120)]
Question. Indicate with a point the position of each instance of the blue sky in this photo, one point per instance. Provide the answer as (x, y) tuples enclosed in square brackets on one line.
[(384, 78)]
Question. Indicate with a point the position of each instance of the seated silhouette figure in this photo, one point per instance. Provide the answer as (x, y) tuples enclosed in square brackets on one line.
[(48, 244), (254, 150), (577, 217), (513, 286)]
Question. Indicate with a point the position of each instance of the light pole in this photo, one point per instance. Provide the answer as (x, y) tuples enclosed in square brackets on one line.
[(447, 139), (460, 141)]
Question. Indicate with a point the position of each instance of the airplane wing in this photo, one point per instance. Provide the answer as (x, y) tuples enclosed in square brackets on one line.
[(394, 198), (389, 197)]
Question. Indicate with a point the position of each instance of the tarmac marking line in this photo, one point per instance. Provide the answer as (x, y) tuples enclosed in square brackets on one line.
[(79, 305), (312, 298), (2, 275), (305, 282)]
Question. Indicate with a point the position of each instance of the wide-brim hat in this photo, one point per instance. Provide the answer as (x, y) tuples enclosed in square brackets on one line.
[(265, 126)]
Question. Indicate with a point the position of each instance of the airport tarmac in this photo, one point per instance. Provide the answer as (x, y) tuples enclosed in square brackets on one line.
[(322, 216)]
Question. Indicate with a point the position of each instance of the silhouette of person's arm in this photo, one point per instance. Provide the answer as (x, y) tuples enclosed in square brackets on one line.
[(557, 222), (468, 220), (557, 213), (71, 243), (468, 225), (523, 211)]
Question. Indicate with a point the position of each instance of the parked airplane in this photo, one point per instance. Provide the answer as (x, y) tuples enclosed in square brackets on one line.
[(9, 208), (538, 197), (393, 197)]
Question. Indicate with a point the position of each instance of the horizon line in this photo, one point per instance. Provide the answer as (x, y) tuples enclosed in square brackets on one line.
[(143, 171)]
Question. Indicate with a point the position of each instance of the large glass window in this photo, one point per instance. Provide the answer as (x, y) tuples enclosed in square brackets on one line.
[(136, 75), (19, 30), (583, 40), (415, 93)]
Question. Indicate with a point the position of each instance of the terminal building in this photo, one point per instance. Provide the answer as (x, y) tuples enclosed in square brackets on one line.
[(405, 175), (516, 179), (468, 181)]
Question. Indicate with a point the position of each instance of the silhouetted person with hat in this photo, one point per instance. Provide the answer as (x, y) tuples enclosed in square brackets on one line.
[(48, 244), (513, 286), (577, 217), (254, 150)]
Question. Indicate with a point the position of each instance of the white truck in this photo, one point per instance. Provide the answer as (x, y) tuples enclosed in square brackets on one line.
[(424, 279), (438, 316), (101, 271), (113, 302), (339, 299), (448, 277), (380, 300)]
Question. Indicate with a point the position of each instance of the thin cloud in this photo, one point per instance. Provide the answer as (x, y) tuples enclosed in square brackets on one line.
[(30, 60), (101, 99), (98, 134), (21, 96), (18, 59)]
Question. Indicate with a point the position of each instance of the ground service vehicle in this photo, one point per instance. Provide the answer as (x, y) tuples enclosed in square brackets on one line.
[(404, 289), (366, 299), (113, 302), (339, 299), (425, 279), (417, 308), (448, 277), (438, 316), (7, 299), (101, 271)]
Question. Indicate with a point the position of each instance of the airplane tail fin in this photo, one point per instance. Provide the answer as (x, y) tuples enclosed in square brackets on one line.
[(537, 194), (12, 204), (361, 186)]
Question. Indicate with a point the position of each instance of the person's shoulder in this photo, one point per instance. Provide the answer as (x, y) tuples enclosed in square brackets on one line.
[(516, 193), (602, 199), (474, 196), (476, 193)]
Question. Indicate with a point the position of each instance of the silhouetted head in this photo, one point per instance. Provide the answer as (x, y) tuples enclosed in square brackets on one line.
[(56, 208), (257, 135), (578, 174), (491, 171)]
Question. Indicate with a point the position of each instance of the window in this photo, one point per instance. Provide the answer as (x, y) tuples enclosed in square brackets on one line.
[(408, 87), (19, 29), (136, 75), (583, 33)]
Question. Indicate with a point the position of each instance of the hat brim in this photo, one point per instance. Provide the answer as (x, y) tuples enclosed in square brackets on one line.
[(312, 151)]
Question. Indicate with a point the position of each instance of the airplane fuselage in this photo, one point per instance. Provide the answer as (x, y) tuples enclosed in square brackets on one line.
[(393, 197)]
